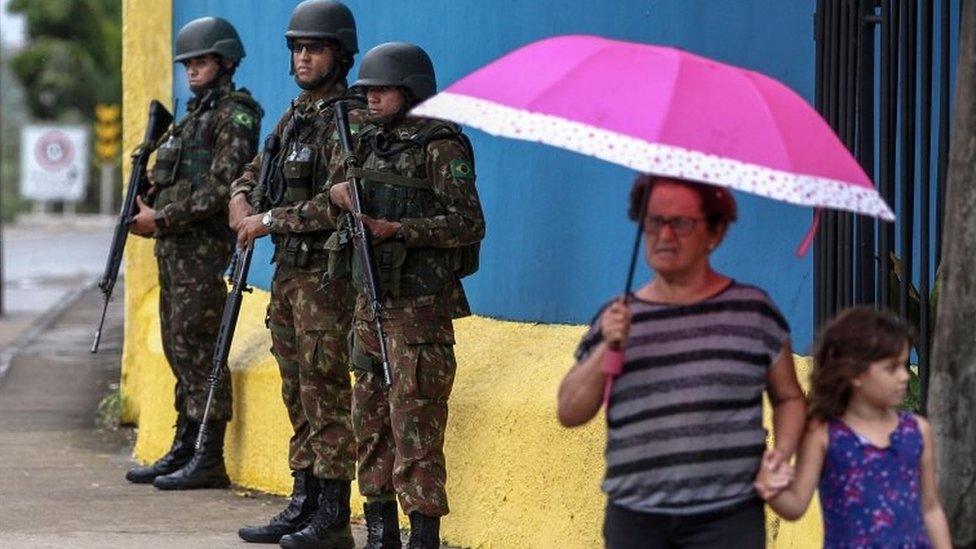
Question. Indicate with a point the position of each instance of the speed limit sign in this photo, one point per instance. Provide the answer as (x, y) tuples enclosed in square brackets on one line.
[(54, 162)]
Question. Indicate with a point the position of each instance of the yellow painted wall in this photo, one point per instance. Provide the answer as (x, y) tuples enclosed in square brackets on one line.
[(516, 478), (146, 75)]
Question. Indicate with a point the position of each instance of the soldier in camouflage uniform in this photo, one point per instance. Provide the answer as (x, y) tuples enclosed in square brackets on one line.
[(309, 317), (195, 163), (420, 205)]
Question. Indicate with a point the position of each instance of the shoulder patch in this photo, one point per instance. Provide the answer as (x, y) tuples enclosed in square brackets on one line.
[(461, 169), (243, 118)]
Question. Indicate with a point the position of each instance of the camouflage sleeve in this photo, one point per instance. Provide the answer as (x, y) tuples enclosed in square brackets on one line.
[(452, 179), (318, 213), (235, 141), (252, 170)]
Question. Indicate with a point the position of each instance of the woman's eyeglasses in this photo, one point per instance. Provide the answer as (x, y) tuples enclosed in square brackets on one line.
[(681, 225)]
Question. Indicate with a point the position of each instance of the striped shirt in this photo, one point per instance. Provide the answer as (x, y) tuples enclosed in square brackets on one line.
[(684, 424)]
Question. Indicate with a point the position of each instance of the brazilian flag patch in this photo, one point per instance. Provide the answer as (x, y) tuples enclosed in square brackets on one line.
[(242, 118), (461, 169)]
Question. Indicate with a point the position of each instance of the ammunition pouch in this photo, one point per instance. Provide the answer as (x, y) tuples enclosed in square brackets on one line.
[(300, 250), (298, 171), (339, 249), (167, 160)]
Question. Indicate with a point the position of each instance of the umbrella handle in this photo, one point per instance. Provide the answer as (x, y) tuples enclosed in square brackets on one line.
[(804, 246), (613, 366)]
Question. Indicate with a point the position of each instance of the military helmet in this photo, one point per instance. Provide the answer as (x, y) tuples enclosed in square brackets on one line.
[(326, 19), (208, 35), (399, 64)]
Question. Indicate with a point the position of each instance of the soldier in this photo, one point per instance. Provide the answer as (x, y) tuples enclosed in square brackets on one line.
[(309, 318), (195, 163), (421, 207)]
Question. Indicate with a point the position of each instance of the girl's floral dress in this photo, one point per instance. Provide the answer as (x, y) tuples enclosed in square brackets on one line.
[(871, 497)]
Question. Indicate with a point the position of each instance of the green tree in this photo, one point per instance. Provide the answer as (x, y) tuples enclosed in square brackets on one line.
[(73, 58)]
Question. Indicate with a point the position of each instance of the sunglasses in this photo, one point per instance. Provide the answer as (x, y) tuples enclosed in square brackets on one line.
[(313, 48)]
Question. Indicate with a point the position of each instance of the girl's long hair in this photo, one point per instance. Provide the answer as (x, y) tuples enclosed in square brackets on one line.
[(847, 347)]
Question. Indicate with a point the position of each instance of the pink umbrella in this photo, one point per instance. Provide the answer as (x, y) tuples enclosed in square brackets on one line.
[(665, 112)]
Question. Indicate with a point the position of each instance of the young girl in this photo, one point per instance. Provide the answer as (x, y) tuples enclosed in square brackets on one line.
[(872, 463)]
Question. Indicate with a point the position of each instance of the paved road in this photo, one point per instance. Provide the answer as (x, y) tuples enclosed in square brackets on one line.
[(62, 479), (43, 262)]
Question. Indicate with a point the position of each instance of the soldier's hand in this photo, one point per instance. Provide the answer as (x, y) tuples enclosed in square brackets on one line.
[(340, 196), (615, 324), (144, 222), (238, 209), (381, 229), (250, 229), (151, 177)]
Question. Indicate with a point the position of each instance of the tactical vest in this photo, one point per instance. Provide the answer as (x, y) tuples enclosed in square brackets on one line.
[(301, 172), (184, 157), (396, 186)]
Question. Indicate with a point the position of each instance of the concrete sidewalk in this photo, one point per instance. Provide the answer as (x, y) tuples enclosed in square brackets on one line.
[(62, 479)]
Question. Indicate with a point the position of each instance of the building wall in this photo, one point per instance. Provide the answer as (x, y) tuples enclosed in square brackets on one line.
[(557, 243), (557, 247)]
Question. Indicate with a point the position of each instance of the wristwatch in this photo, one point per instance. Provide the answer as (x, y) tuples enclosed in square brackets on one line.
[(266, 220)]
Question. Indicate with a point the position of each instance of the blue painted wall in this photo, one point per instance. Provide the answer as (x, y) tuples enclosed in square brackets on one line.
[(558, 238)]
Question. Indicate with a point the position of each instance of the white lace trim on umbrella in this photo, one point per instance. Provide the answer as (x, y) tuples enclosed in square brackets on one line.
[(654, 158)]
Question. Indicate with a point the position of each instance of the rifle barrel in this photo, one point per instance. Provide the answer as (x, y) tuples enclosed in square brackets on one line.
[(362, 238)]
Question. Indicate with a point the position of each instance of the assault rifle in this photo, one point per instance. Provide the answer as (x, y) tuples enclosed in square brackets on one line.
[(232, 307), (361, 237), (159, 120)]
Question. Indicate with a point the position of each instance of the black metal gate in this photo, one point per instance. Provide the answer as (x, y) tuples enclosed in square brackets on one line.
[(875, 87)]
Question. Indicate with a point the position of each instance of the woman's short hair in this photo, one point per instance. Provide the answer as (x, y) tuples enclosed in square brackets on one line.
[(717, 203)]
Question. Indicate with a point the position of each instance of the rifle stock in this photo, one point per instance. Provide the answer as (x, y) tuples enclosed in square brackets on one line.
[(159, 120), (361, 236), (232, 307)]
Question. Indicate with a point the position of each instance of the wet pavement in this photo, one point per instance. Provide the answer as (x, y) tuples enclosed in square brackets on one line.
[(61, 475)]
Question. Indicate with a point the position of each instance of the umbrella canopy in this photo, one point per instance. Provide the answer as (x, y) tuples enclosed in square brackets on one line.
[(665, 112)]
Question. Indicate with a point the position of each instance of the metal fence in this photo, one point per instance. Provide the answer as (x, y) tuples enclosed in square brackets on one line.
[(875, 87)]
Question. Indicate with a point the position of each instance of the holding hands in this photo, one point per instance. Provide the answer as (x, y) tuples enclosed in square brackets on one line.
[(775, 475)]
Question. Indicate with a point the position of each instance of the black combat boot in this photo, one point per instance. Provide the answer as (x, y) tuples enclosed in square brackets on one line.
[(424, 532), (329, 526), (382, 525), (205, 469), (179, 454), (304, 502)]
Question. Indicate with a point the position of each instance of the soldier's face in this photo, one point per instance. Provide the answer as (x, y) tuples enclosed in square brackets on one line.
[(384, 100), (201, 71), (312, 59)]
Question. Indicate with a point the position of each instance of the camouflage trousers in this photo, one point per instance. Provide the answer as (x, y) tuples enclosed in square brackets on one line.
[(309, 327), (400, 430), (192, 292)]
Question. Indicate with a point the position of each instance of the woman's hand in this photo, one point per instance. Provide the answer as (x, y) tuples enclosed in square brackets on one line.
[(615, 324)]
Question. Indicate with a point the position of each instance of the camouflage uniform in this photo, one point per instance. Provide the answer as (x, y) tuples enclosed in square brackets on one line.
[(309, 316), (418, 172), (195, 163)]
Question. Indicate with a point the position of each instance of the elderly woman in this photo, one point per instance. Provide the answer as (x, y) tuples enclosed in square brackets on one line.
[(685, 438)]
